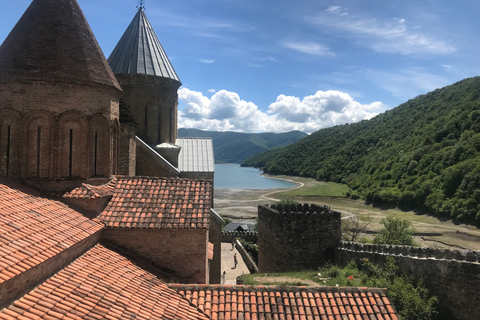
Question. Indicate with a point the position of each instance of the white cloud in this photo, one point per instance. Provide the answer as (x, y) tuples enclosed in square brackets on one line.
[(387, 36), (408, 83), (308, 47), (208, 61), (212, 90), (225, 110)]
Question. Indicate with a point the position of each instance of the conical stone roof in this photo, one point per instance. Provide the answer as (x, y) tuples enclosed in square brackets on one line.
[(139, 51), (52, 42)]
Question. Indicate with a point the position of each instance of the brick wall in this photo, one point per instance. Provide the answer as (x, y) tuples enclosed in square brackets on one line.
[(183, 252), (153, 101), (127, 150), (215, 237), (149, 164), (452, 275), (296, 238), (58, 132)]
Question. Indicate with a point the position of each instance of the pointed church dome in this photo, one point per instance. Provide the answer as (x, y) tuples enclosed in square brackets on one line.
[(139, 51), (52, 42)]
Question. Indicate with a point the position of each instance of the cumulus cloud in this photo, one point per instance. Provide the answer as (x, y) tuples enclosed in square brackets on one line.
[(226, 111)]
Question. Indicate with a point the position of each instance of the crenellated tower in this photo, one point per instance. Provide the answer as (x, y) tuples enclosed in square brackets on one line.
[(59, 100), (296, 237)]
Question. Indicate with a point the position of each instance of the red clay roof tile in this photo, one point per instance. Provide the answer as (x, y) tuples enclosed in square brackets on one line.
[(102, 285), (34, 229), (163, 203), (290, 302), (87, 191)]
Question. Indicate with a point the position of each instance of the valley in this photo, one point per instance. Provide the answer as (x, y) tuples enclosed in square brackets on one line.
[(431, 231)]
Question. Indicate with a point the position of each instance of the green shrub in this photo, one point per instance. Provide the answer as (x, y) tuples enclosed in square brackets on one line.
[(395, 231)]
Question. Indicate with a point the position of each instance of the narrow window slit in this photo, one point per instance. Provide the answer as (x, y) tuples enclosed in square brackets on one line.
[(146, 124), (39, 148), (9, 137), (96, 155), (70, 157)]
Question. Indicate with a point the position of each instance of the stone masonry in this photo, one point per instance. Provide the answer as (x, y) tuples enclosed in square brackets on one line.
[(295, 238)]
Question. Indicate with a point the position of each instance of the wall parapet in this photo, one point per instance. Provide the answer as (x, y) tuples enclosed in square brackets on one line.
[(251, 236), (413, 252)]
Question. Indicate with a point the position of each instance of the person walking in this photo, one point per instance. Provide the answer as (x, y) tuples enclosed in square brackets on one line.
[(235, 261), (233, 244)]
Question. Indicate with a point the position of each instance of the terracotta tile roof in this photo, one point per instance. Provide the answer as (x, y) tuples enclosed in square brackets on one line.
[(34, 229), (87, 191), (102, 285), (162, 203), (288, 303)]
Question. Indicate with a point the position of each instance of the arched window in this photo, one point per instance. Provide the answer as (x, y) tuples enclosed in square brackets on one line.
[(39, 135), (100, 145), (9, 143), (73, 151)]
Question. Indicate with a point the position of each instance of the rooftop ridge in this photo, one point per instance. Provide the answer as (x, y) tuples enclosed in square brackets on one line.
[(268, 288)]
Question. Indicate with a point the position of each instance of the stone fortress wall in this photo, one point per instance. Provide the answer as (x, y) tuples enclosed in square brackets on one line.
[(452, 275), (304, 237), (293, 238)]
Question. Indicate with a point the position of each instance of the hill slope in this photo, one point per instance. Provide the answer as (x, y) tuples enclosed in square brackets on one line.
[(424, 153), (235, 147)]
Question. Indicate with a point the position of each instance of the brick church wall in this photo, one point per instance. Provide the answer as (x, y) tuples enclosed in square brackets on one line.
[(40, 140), (295, 238), (183, 252), (153, 101), (127, 150)]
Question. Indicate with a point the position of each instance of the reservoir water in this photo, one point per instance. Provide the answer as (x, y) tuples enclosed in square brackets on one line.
[(232, 176)]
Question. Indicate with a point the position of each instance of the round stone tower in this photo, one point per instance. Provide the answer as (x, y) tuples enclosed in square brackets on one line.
[(148, 80), (296, 238), (59, 100)]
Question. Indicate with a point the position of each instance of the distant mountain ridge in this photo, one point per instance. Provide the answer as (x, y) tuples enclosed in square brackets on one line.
[(235, 147), (424, 153)]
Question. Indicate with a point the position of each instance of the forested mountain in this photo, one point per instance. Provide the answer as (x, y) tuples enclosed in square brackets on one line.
[(424, 153), (235, 147)]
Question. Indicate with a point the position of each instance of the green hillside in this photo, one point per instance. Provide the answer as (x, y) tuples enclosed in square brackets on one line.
[(235, 147), (423, 154)]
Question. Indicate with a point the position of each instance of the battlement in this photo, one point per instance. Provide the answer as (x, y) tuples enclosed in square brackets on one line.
[(413, 252), (251, 236), (299, 209)]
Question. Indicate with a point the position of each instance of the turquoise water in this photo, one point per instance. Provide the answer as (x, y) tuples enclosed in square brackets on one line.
[(232, 176)]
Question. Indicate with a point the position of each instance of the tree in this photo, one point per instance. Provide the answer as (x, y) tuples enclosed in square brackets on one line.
[(353, 226), (395, 231)]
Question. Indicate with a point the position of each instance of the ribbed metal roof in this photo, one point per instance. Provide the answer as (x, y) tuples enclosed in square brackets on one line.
[(196, 155), (139, 51)]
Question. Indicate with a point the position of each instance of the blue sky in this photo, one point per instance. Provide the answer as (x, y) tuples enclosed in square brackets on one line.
[(264, 65)]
